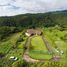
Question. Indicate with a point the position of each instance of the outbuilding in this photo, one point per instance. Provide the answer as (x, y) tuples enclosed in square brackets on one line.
[(31, 32)]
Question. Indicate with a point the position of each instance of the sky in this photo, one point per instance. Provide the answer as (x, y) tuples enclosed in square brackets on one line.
[(15, 7)]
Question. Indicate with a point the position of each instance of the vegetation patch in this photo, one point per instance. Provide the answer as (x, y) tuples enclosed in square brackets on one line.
[(39, 50)]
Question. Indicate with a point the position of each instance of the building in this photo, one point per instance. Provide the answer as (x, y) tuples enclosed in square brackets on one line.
[(31, 32)]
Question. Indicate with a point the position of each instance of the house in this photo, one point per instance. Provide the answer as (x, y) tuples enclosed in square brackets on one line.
[(31, 32)]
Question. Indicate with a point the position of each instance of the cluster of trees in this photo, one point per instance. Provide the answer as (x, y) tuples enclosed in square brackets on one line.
[(19, 22), (6, 31), (36, 20), (14, 24)]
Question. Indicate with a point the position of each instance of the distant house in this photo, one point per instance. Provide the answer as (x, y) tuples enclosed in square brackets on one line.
[(31, 32)]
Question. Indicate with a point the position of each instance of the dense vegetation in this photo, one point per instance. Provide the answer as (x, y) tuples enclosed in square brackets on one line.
[(13, 39), (35, 20), (17, 23)]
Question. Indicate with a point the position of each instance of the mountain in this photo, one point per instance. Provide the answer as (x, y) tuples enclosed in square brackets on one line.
[(36, 20), (64, 10), (45, 50)]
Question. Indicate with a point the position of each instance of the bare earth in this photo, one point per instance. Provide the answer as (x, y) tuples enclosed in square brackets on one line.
[(29, 59)]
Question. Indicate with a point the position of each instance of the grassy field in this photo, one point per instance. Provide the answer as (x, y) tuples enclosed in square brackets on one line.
[(39, 50), (40, 55), (38, 43)]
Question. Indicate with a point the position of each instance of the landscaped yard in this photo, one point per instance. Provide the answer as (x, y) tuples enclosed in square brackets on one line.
[(38, 55), (39, 50), (38, 43)]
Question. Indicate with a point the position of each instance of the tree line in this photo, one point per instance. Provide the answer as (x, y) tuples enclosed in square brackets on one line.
[(17, 23), (35, 20)]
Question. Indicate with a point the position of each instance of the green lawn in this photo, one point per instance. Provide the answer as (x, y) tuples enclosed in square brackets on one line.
[(40, 55), (38, 43), (39, 50)]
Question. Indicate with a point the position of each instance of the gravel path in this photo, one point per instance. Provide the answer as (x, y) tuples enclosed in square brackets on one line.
[(27, 58), (48, 45)]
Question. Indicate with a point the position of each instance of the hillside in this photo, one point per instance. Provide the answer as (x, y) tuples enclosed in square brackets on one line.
[(45, 44), (35, 20)]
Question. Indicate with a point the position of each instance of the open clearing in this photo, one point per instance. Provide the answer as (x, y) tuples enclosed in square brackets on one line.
[(39, 50), (38, 43)]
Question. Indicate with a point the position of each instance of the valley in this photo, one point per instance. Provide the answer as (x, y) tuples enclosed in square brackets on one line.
[(34, 40)]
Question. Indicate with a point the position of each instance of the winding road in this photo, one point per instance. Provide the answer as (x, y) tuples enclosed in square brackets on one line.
[(26, 56)]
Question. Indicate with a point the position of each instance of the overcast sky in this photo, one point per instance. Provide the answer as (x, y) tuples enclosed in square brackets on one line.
[(14, 7)]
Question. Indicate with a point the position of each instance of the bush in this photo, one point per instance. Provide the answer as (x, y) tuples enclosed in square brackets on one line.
[(18, 63)]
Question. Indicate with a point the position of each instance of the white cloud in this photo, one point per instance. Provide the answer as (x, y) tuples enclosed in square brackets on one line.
[(14, 7)]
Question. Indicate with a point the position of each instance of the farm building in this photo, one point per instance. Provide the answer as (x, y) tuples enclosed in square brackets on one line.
[(31, 32)]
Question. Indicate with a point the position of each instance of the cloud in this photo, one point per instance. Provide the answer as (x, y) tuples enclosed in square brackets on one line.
[(14, 7)]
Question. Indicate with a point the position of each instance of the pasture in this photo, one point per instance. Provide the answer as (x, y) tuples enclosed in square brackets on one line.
[(39, 49)]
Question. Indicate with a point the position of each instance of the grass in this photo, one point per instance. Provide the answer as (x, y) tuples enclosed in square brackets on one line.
[(55, 38), (38, 43), (16, 52), (39, 50), (40, 55)]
